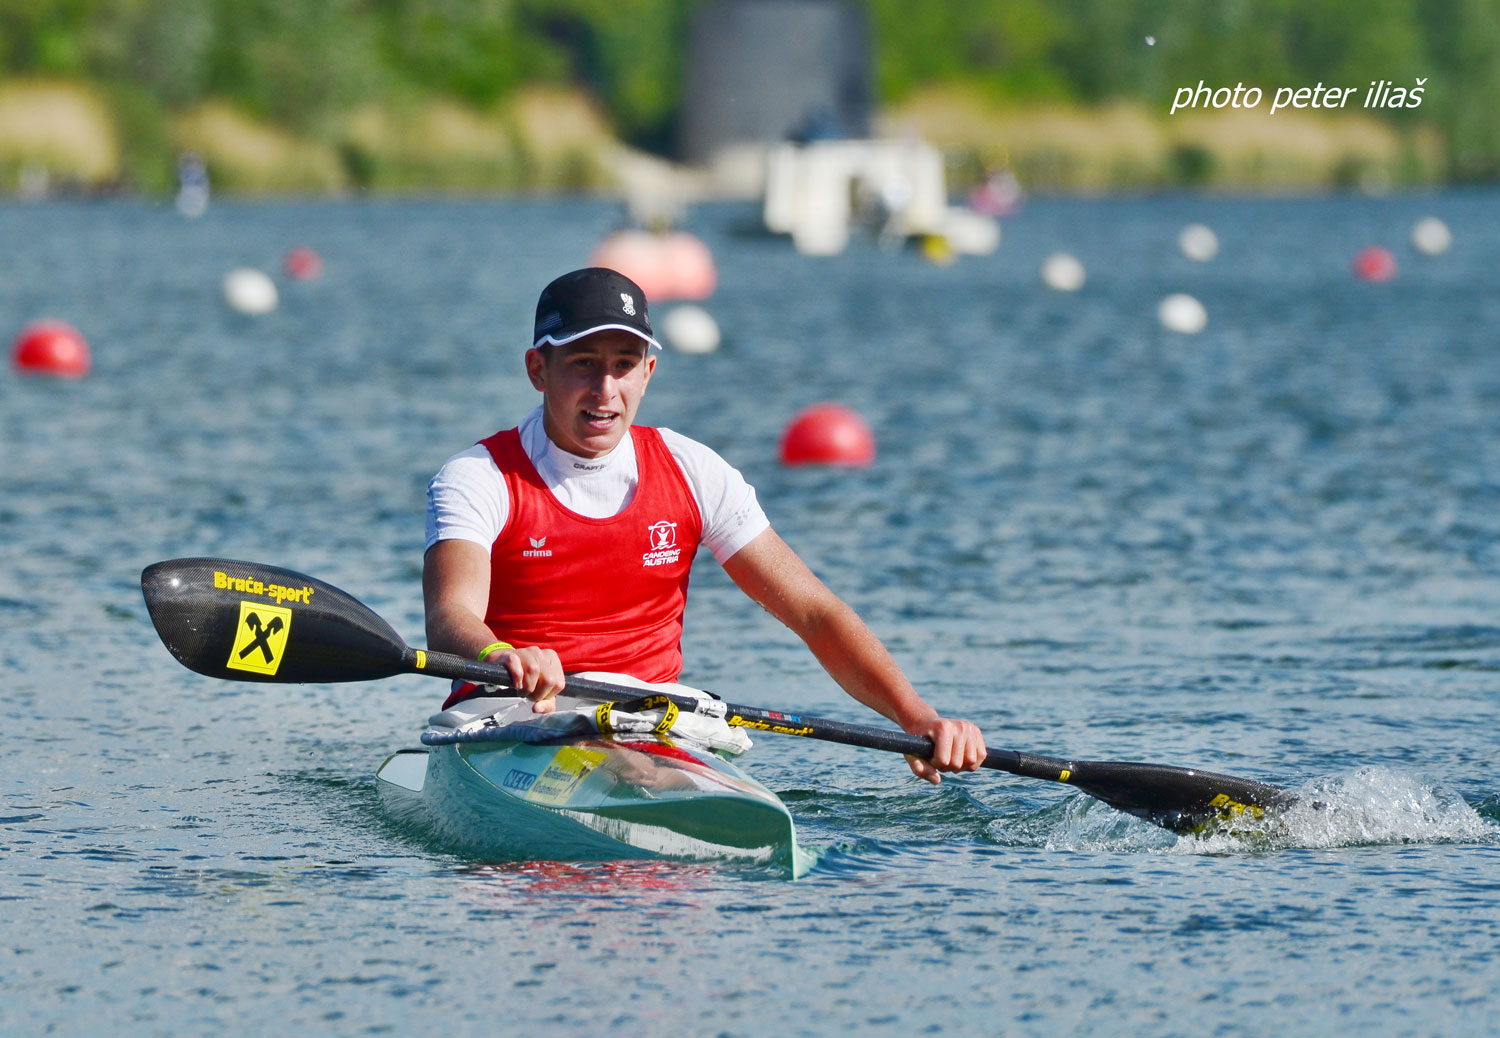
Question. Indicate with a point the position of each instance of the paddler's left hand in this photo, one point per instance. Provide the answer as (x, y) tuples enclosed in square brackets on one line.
[(957, 746)]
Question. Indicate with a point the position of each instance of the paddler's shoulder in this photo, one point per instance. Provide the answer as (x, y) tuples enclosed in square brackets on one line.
[(676, 441), (698, 460), (470, 461)]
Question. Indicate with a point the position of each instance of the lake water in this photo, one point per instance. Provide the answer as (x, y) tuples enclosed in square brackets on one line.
[(1271, 549)]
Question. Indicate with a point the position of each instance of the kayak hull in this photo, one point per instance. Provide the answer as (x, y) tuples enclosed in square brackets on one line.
[(589, 799)]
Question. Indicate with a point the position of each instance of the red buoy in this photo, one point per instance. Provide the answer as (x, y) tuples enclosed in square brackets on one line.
[(303, 263), (1374, 263), (827, 434), (51, 348)]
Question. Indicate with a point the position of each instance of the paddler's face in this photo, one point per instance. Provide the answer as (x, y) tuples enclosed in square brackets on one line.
[(591, 389)]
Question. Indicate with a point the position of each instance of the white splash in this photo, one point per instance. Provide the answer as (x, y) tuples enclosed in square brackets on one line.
[(1372, 806)]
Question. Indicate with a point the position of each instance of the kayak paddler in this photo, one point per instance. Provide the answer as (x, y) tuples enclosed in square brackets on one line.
[(564, 544)]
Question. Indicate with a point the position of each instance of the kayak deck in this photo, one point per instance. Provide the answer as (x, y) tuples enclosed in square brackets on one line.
[(590, 799)]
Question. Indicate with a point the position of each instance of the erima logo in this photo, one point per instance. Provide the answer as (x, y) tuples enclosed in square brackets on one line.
[(538, 549), (629, 304)]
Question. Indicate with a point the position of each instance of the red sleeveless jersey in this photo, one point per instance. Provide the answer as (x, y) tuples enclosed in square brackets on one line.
[(606, 594)]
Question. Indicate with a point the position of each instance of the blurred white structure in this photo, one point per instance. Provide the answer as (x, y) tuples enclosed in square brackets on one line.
[(815, 191), (192, 185)]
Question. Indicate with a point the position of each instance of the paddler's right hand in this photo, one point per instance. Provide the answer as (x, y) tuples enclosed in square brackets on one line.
[(535, 673)]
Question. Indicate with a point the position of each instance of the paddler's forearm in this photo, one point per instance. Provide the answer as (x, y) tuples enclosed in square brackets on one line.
[(534, 671), (457, 631), (772, 574), (769, 572), (854, 656), (856, 659), (455, 591)]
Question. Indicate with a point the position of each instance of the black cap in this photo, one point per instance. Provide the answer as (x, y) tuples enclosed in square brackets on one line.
[(591, 300)]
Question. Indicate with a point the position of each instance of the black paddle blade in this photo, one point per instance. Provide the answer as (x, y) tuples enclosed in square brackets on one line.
[(1184, 800), (248, 622)]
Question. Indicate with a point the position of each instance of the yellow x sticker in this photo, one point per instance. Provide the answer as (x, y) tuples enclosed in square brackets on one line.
[(260, 639)]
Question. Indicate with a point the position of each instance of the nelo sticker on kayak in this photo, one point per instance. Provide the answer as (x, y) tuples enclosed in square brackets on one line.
[(260, 639), (519, 780)]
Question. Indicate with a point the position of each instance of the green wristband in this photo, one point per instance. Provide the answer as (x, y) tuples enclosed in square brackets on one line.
[(493, 647)]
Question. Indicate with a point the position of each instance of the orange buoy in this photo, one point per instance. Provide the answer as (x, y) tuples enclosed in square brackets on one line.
[(51, 348), (637, 255), (668, 267), (303, 263), (827, 434), (1374, 263), (690, 266)]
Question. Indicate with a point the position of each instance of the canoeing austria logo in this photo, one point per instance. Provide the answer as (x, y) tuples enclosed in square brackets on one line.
[(664, 550), (538, 549)]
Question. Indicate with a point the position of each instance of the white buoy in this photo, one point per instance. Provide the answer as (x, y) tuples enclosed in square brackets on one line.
[(970, 233), (249, 291), (1431, 236), (1198, 242), (1063, 272), (690, 329), (1182, 313)]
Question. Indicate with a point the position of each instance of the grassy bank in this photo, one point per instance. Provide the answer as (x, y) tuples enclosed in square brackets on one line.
[(75, 139), (69, 136)]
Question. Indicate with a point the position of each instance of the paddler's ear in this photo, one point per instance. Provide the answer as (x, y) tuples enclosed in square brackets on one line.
[(536, 368)]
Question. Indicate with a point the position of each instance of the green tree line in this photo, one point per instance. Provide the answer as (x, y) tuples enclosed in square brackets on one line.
[(1096, 50), (298, 63)]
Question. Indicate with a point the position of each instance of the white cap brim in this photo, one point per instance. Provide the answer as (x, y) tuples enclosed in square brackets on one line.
[(552, 340)]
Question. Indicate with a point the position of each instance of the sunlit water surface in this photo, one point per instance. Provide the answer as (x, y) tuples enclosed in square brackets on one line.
[(1270, 549)]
